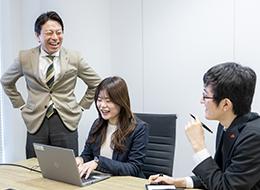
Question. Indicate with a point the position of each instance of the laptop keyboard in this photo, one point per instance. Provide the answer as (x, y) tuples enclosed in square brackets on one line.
[(84, 180), (92, 176)]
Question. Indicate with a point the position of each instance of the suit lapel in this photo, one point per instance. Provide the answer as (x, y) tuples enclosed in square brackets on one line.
[(64, 59), (219, 136), (231, 136), (224, 151), (218, 154), (115, 155), (228, 141), (34, 61), (224, 143)]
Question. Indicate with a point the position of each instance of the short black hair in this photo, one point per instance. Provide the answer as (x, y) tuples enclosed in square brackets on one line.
[(233, 81), (44, 17)]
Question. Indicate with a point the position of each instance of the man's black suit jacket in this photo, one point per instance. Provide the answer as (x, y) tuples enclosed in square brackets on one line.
[(236, 165)]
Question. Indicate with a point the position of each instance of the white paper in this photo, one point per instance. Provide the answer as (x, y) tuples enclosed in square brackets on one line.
[(154, 187)]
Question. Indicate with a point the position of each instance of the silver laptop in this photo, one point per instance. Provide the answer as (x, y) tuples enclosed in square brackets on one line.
[(59, 164)]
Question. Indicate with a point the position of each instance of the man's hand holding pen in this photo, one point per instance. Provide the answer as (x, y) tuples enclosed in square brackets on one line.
[(195, 135), (203, 125)]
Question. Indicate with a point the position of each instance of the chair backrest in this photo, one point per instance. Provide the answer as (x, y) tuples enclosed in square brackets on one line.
[(161, 146)]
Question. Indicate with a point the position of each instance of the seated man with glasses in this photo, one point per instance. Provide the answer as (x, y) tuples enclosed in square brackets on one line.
[(228, 93)]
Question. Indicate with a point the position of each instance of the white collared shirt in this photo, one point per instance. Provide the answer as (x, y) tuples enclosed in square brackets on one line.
[(44, 63)]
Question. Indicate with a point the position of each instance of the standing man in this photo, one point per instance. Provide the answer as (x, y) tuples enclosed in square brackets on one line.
[(51, 113), (228, 93)]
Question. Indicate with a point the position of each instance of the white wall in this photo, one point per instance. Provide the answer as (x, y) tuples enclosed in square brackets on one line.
[(247, 39), (14, 133), (161, 47), (181, 41), (1, 95), (127, 47)]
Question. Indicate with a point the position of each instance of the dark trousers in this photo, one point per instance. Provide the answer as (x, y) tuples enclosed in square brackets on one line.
[(52, 132)]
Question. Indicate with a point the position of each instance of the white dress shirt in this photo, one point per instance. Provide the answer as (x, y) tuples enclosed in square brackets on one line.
[(44, 63)]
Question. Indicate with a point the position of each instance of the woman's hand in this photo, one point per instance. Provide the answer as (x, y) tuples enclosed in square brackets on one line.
[(79, 160), (87, 168)]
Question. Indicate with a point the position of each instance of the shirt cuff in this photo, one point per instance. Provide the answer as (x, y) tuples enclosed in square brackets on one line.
[(200, 156), (189, 182)]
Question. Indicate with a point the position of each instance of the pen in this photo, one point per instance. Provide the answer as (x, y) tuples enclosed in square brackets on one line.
[(203, 125)]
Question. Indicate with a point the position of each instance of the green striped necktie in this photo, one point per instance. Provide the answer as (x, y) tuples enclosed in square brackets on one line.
[(49, 81)]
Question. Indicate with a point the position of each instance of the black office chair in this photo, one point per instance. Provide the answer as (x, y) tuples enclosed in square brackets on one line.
[(161, 145)]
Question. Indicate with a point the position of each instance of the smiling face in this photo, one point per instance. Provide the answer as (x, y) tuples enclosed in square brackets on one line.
[(222, 112), (108, 109), (51, 36), (209, 103)]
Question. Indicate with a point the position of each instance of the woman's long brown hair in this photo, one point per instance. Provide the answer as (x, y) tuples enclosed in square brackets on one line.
[(117, 91)]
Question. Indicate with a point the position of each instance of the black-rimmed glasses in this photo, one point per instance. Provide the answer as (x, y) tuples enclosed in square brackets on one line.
[(205, 97)]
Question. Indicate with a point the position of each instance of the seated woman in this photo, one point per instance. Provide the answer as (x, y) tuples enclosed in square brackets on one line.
[(117, 141)]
